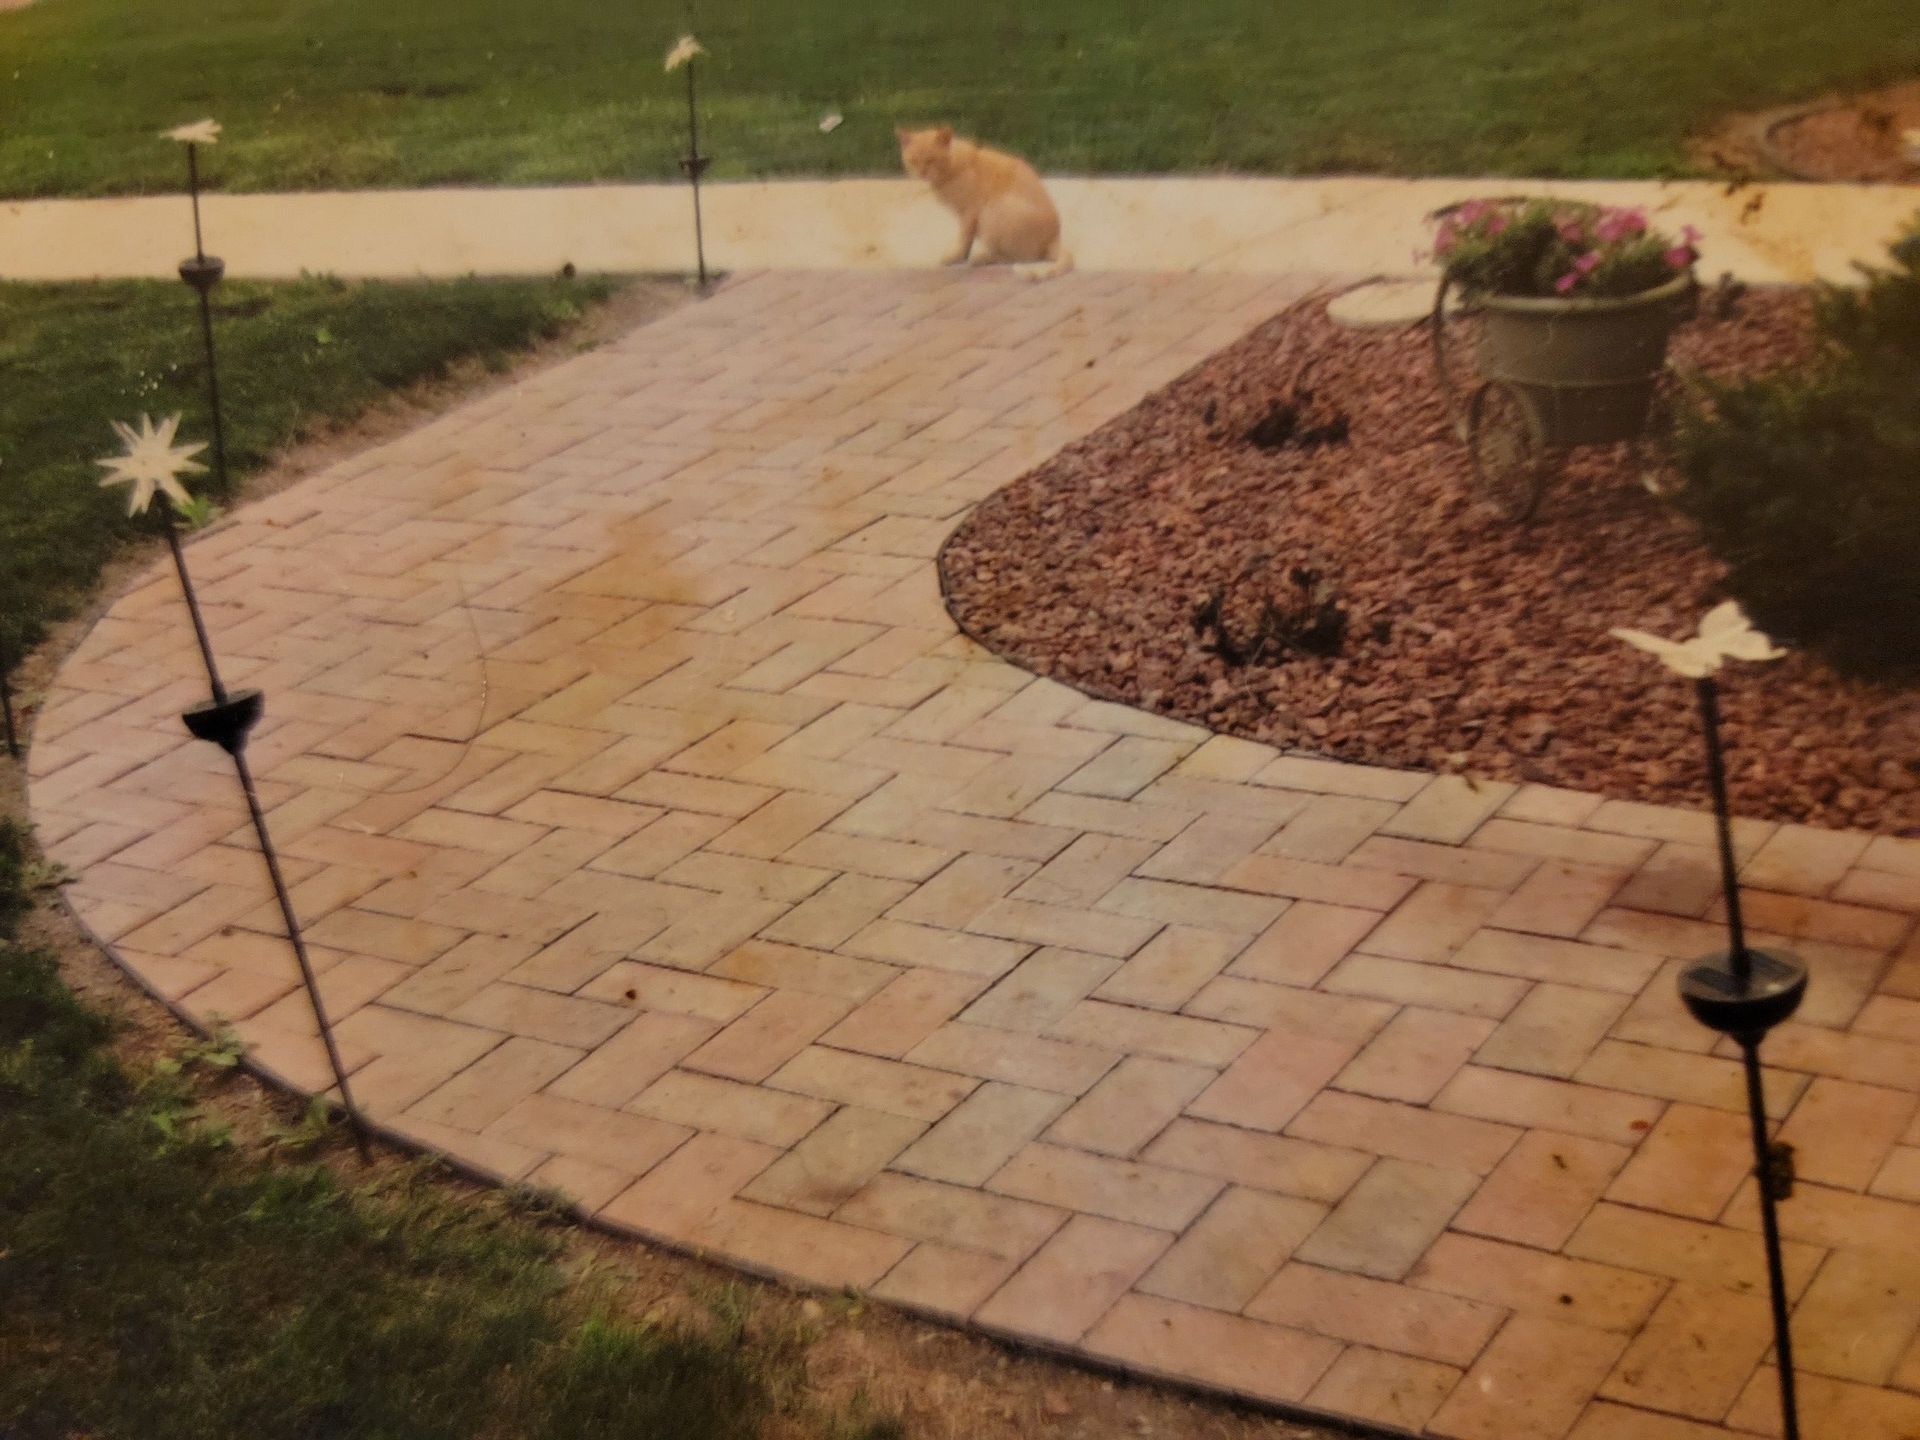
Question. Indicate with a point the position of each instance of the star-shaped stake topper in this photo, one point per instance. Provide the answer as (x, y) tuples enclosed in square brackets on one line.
[(1725, 634), (200, 132), (683, 52), (150, 463)]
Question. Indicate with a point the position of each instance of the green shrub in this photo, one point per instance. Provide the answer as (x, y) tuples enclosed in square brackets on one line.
[(1806, 481)]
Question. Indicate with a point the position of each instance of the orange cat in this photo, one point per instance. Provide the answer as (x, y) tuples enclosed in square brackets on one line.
[(998, 197)]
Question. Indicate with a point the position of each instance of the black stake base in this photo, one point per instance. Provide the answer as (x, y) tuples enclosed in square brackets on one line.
[(6, 710), (226, 722), (203, 272), (694, 166), (1713, 990)]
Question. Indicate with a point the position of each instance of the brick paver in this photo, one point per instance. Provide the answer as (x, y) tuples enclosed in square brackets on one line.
[(663, 843)]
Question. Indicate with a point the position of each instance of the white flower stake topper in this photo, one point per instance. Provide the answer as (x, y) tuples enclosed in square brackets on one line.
[(1725, 634), (683, 52), (149, 463), (200, 132)]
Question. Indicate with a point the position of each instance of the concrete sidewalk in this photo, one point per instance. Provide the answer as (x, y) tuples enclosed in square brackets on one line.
[(1787, 232)]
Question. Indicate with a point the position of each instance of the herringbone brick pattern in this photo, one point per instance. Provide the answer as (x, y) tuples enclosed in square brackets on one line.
[(662, 843)]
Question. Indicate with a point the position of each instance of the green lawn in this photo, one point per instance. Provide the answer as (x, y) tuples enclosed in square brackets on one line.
[(162, 1285), (319, 93), (293, 357)]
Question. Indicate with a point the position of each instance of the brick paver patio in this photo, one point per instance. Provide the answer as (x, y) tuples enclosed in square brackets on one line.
[(663, 843)]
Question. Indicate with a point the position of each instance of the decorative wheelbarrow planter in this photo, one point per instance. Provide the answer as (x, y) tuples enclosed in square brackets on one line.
[(1553, 371)]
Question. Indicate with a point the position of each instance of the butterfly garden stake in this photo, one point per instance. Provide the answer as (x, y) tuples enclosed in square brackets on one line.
[(1743, 992), (151, 463)]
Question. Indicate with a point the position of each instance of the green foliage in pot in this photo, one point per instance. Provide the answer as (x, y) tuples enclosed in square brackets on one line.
[(1564, 248), (1806, 481)]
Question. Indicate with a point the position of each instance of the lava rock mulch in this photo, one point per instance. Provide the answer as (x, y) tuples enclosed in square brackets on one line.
[(1283, 545)]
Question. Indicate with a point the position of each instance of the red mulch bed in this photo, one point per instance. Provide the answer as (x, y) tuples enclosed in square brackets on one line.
[(1471, 644)]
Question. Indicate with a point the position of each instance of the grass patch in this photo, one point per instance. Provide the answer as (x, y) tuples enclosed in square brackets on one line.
[(162, 1285), (365, 92), (295, 358)]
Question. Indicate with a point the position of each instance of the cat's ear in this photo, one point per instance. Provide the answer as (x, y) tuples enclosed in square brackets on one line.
[(944, 134)]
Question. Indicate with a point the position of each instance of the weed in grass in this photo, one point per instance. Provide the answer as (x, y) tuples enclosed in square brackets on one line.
[(316, 1126)]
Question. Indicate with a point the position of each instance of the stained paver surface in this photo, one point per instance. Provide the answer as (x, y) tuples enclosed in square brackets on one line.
[(662, 842)]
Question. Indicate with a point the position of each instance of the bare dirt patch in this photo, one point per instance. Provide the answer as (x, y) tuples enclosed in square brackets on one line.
[(1282, 545), (1850, 138)]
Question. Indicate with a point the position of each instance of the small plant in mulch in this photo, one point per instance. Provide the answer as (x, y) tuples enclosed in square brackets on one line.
[(1306, 619), (1298, 422)]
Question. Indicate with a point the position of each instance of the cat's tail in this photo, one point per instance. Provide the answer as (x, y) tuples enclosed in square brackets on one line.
[(1059, 262)]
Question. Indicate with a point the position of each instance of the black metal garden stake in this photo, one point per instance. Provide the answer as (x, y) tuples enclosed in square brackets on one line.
[(6, 705), (693, 164), (1744, 994), (201, 273), (1741, 992), (152, 464), (226, 721)]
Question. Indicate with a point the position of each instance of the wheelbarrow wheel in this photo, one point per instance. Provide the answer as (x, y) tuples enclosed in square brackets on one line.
[(1651, 452), (1507, 441), (1452, 328)]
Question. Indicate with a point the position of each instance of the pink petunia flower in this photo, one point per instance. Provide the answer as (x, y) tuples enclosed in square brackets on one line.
[(1468, 213), (1567, 281), (1681, 256), (1496, 223), (1618, 225), (1587, 263), (1572, 231)]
